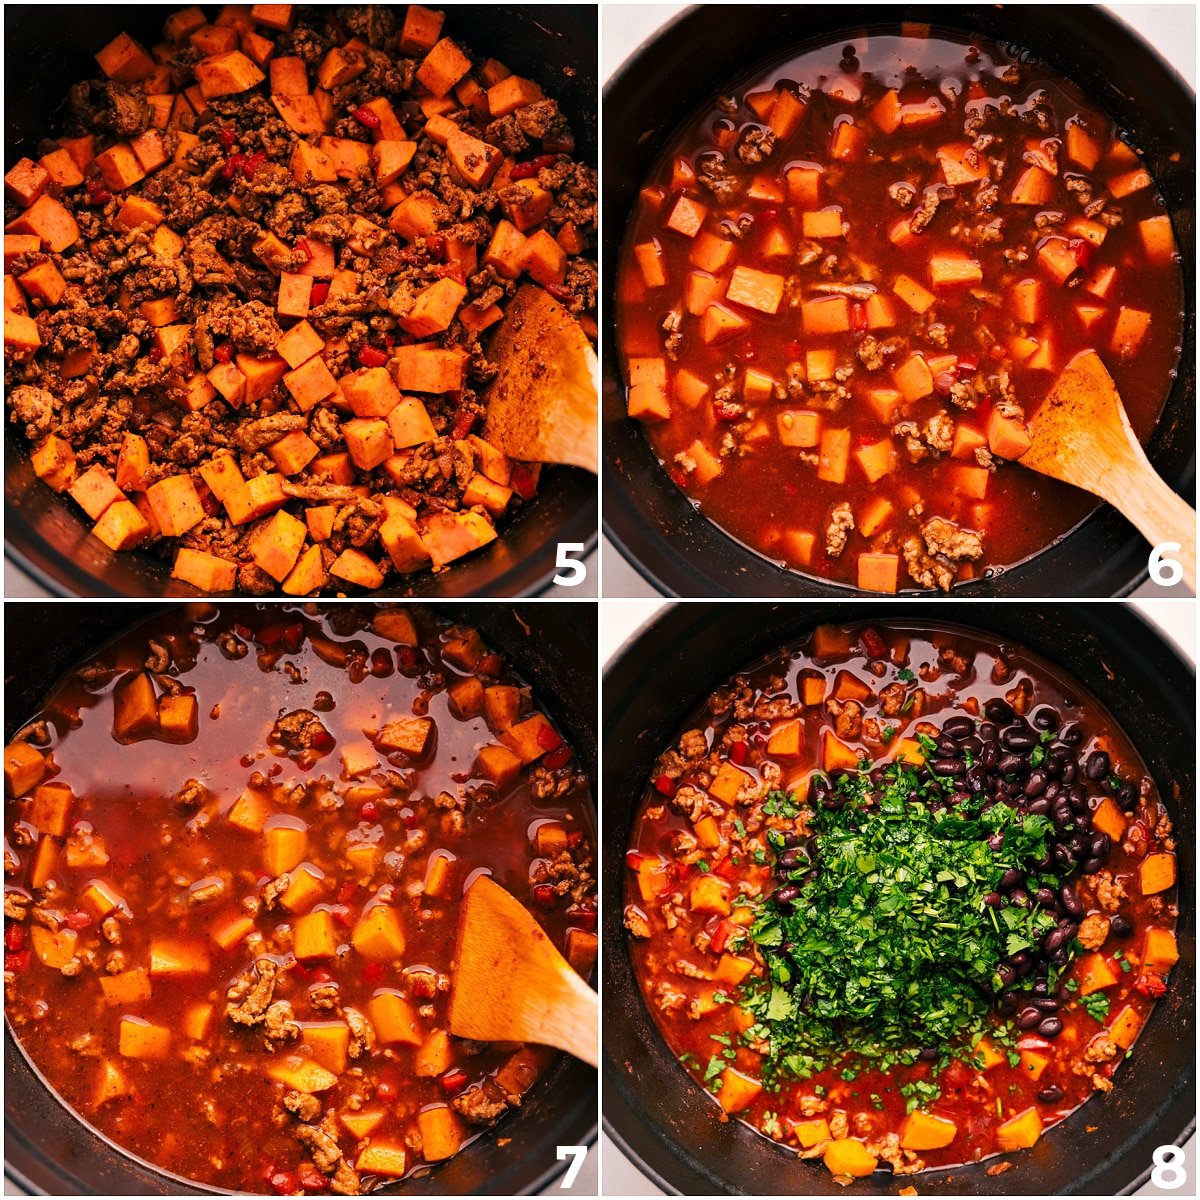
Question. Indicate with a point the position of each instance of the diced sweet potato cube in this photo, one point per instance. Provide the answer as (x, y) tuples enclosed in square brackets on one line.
[(449, 536), (21, 333), (1034, 186), (826, 223), (355, 567), (390, 159), (302, 1074), (138, 1038), (255, 498), (300, 113), (51, 807), (378, 934), (309, 384), (204, 571), (434, 308), (125, 60), (759, 290), (49, 220), (512, 93), (227, 74), (1156, 873), (424, 369), (1160, 951), (178, 717), (127, 987), (1020, 1132), (262, 374), (527, 739), (175, 504), (275, 545), (62, 168), (212, 40), (877, 459), (289, 77), (94, 491), (442, 1133), (368, 441), (44, 283), (799, 427), (54, 462), (310, 164), (1056, 255), (829, 314), (1158, 239), (229, 382), (544, 259), (122, 527), (913, 378), (443, 67), (135, 707), (474, 160), (918, 298), (526, 204), (1083, 147), (687, 216), (497, 764), (25, 181), (879, 572), (350, 158), (1007, 437), (308, 576), (299, 344), (1129, 332), (294, 293), (395, 1019), (948, 269)]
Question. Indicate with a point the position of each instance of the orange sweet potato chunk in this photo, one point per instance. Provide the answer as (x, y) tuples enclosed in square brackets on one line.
[(204, 571)]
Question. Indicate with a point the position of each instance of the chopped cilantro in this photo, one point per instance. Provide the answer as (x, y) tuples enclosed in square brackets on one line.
[(780, 804), (739, 828), (703, 866), (889, 732), (1096, 1005), (906, 676), (712, 1073)]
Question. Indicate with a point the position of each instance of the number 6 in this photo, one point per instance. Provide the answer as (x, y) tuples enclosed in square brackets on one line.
[(1165, 571)]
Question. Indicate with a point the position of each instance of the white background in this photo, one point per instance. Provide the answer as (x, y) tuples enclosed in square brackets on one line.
[(1171, 28)]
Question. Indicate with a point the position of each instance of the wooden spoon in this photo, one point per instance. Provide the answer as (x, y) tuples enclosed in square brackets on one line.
[(1082, 436), (509, 984), (543, 405)]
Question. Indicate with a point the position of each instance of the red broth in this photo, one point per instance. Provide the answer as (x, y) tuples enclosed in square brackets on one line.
[(704, 859), (147, 903), (852, 278)]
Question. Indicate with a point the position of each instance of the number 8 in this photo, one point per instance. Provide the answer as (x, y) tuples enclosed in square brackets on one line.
[(1168, 1170)]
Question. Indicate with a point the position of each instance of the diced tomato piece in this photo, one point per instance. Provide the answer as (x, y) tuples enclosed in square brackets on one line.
[(364, 116), (462, 424), (14, 937), (726, 868), (320, 975), (368, 811), (79, 920), (490, 665), (283, 1183), (726, 410), (582, 915), (373, 973), (1151, 986), (235, 164), (226, 136), (634, 859), (381, 663), (311, 1180), (666, 785), (319, 293), (17, 960), (574, 839), (544, 895), (725, 930), (737, 752), (223, 352), (523, 481)]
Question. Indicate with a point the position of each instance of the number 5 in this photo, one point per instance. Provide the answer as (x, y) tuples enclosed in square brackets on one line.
[(571, 572), (575, 1153)]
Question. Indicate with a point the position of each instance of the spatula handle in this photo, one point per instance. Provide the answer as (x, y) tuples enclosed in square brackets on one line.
[(1159, 514)]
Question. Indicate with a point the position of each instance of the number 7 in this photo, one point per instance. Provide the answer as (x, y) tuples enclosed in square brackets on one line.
[(576, 1154)]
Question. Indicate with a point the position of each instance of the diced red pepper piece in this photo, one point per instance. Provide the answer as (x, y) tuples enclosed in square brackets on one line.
[(319, 293), (97, 192), (558, 291), (323, 741), (385, 1091), (301, 251), (582, 915), (490, 665), (557, 758), (223, 352), (544, 895), (226, 136), (235, 164), (369, 356), (724, 932), (283, 1183), (17, 960), (548, 738), (14, 937), (528, 169), (726, 410), (368, 811), (373, 973), (462, 424), (523, 481), (1151, 986), (79, 920), (453, 1081), (311, 1180), (634, 859), (364, 116), (737, 752), (293, 637), (872, 643), (666, 785), (574, 839), (252, 164)]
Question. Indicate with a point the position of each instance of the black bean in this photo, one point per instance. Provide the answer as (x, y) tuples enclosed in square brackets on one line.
[(1018, 740), (791, 839), (947, 746), (1040, 807), (973, 745), (1051, 1095), (990, 755), (1081, 846), (1051, 1027), (998, 710), (993, 900), (1007, 1004), (1069, 772), (878, 775), (1083, 822), (1090, 866), (790, 859), (1045, 897), (1069, 927), (987, 731), (1064, 857), (1060, 956), (1007, 973), (785, 895), (1096, 766), (948, 766), (1054, 939), (1028, 1018), (1035, 785), (1071, 901), (958, 727), (1041, 988), (1071, 733), (1045, 718), (1044, 863), (995, 840), (976, 779), (1010, 879), (1127, 796), (1009, 763), (1121, 926), (1046, 1004), (1101, 844), (1022, 960), (1061, 814), (1053, 789)]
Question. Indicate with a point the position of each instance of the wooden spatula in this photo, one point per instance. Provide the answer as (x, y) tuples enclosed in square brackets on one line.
[(509, 984), (542, 406), (1081, 435)]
